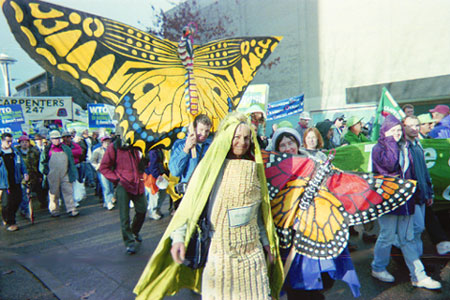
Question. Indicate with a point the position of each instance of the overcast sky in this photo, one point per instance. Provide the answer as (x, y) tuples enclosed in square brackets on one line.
[(137, 13)]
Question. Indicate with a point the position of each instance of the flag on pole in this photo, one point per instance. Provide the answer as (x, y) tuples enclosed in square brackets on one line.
[(386, 106)]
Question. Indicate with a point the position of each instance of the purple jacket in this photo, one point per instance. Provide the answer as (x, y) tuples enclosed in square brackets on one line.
[(386, 160)]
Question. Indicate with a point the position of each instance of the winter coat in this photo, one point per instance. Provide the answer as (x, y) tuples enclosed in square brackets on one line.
[(442, 129), (20, 169), (182, 164), (351, 138), (323, 128), (31, 160), (386, 160), (121, 166), (337, 137), (156, 163), (154, 169), (424, 188), (77, 152)]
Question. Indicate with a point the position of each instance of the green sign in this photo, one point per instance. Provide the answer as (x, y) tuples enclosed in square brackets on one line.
[(437, 156)]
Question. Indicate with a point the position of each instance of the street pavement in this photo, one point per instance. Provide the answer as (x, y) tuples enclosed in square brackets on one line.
[(84, 258)]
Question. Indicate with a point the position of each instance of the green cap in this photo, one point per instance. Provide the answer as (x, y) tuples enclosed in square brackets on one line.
[(353, 120), (425, 118), (285, 124)]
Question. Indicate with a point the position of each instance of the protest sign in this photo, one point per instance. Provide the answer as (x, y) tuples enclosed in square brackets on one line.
[(77, 126), (11, 114), (14, 128), (100, 116), (283, 108), (254, 94), (79, 114)]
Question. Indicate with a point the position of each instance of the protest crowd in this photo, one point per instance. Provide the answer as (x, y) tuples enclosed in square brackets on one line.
[(55, 168)]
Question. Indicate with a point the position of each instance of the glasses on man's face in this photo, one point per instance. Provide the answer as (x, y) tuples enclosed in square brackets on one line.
[(8, 141), (341, 119)]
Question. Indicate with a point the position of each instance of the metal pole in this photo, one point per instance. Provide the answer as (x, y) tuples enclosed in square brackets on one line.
[(5, 60)]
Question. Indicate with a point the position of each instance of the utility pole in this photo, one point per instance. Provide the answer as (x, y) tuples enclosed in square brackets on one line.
[(5, 60)]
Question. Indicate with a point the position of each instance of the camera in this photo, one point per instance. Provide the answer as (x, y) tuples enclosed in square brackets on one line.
[(180, 188)]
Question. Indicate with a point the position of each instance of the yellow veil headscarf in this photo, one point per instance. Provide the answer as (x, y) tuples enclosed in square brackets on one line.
[(162, 276)]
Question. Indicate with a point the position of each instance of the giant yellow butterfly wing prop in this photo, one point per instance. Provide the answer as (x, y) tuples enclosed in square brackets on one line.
[(140, 73)]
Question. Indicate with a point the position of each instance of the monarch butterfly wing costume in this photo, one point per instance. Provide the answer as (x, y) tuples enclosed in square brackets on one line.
[(138, 72), (343, 199)]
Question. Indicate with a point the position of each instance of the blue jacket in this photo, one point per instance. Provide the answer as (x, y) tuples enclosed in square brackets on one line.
[(20, 170), (442, 129), (181, 164), (424, 188), (155, 165)]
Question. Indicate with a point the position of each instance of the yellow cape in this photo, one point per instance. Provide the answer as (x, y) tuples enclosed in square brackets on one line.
[(162, 276)]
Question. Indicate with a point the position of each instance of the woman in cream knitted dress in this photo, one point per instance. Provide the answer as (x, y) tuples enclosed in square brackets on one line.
[(231, 180)]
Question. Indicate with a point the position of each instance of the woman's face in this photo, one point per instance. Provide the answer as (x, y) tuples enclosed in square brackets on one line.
[(288, 145), (241, 141), (396, 132), (311, 141)]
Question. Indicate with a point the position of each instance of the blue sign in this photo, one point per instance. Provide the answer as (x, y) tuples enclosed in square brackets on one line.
[(14, 128), (283, 108), (10, 114), (99, 116)]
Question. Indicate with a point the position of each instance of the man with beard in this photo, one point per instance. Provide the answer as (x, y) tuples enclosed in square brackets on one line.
[(182, 160)]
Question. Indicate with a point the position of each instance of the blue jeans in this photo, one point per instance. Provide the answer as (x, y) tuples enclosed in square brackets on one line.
[(90, 173), (397, 230), (419, 226), (25, 203), (107, 189), (155, 201)]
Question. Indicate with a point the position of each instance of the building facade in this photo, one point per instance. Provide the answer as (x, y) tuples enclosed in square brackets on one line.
[(46, 84), (341, 53)]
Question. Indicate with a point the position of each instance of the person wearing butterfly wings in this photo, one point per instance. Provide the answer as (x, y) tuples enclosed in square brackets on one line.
[(307, 277), (392, 156), (229, 183)]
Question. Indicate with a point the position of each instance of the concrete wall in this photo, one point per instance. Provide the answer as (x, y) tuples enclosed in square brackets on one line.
[(365, 42), (330, 46)]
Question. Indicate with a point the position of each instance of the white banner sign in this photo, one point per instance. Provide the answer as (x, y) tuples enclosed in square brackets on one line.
[(254, 94), (42, 108)]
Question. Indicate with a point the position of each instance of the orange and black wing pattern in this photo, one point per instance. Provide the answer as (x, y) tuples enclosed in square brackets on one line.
[(342, 199)]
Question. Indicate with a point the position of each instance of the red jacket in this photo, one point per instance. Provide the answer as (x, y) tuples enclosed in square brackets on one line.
[(123, 170), (77, 151)]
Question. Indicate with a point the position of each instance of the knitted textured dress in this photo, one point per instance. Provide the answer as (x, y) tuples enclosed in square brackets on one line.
[(236, 267)]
